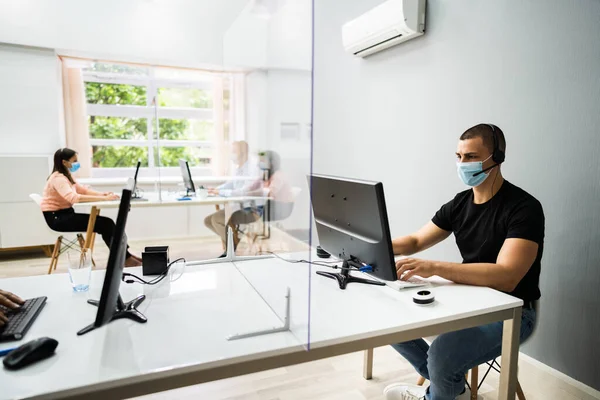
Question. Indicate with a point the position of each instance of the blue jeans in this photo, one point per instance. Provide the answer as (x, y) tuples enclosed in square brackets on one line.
[(452, 354)]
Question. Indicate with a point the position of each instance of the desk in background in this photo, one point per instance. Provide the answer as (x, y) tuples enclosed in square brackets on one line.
[(184, 341), (153, 200)]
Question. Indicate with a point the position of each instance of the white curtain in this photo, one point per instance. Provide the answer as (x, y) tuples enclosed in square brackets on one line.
[(75, 116), (235, 114)]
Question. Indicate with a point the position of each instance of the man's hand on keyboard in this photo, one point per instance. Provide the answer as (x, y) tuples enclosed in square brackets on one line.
[(414, 266), (10, 301)]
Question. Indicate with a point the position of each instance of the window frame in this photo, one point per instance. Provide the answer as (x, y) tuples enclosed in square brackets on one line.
[(149, 112)]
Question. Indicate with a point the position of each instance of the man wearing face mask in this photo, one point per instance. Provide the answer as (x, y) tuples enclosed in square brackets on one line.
[(237, 187), (499, 230)]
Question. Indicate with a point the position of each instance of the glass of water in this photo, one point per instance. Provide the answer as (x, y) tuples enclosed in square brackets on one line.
[(80, 269)]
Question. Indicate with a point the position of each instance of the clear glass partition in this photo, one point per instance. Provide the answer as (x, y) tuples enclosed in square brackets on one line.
[(267, 51), (225, 153)]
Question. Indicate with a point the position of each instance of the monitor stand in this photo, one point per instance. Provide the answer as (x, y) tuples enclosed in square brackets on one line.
[(344, 278), (230, 255), (124, 310)]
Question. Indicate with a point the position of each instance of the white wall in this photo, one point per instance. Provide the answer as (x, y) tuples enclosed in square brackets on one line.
[(30, 101), (176, 32), (281, 41), (530, 67), (275, 97)]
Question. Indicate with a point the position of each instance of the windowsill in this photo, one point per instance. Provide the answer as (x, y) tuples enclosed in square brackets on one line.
[(173, 180)]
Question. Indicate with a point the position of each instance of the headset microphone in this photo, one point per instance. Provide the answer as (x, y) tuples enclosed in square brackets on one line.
[(482, 171)]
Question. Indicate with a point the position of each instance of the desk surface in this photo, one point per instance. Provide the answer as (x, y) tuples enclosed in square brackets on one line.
[(190, 317), (170, 200)]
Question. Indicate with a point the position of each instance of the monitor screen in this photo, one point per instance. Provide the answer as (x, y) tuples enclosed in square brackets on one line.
[(351, 220), (187, 176)]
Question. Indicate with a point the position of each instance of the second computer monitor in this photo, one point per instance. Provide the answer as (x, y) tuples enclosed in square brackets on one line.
[(352, 223), (187, 177), (111, 305)]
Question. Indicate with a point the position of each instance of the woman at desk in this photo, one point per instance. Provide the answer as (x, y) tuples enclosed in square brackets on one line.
[(62, 191)]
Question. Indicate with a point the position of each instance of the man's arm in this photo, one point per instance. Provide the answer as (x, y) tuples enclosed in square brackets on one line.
[(424, 238), (514, 260)]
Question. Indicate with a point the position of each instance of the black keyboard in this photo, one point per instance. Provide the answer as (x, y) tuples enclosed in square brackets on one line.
[(20, 320)]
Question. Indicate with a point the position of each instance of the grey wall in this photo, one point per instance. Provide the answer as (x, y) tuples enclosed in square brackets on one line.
[(533, 68)]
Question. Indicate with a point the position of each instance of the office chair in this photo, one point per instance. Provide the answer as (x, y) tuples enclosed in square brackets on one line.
[(272, 212), (62, 243)]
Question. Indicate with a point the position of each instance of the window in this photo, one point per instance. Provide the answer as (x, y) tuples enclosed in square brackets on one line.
[(123, 103)]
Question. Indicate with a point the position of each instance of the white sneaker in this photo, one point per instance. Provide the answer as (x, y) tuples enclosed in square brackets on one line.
[(404, 391)]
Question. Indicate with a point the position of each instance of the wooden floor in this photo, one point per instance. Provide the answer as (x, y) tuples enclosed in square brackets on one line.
[(338, 378)]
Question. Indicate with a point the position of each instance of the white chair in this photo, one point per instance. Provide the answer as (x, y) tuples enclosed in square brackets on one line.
[(62, 243)]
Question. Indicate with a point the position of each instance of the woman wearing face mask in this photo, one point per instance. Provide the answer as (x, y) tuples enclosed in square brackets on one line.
[(62, 191)]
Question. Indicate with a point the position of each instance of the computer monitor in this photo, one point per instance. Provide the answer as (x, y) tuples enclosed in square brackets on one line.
[(352, 224), (111, 305), (137, 171), (187, 177)]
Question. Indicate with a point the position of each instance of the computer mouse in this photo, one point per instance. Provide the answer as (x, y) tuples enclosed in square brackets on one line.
[(30, 353), (322, 253)]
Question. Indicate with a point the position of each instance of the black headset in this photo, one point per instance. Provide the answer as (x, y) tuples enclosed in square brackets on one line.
[(498, 155)]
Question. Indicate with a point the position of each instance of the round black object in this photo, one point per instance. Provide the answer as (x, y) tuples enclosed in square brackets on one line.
[(423, 297), (322, 253)]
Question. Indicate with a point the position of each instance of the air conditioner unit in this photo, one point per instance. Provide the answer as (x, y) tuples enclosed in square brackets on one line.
[(386, 25)]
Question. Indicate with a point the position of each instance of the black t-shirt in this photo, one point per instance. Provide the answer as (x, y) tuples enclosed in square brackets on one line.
[(480, 229)]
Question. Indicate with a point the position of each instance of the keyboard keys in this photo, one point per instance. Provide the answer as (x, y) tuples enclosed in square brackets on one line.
[(21, 319)]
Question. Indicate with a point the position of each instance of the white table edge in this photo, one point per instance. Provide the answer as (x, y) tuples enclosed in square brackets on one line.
[(177, 377)]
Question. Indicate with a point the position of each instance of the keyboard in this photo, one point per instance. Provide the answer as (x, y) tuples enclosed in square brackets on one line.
[(412, 282), (19, 321)]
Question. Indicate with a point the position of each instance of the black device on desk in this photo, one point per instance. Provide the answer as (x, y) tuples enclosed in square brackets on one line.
[(155, 260), (21, 319), (111, 305), (352, 224), (30, 352), (190, 190)]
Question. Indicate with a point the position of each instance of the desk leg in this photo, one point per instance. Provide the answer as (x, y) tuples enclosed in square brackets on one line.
[(368, 364), (89, 235), (510, 356)]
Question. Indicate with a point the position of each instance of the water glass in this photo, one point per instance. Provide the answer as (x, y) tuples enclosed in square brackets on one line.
[(80, 269)]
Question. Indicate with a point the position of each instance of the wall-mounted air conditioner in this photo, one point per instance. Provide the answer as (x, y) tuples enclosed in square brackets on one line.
[(386, 25)]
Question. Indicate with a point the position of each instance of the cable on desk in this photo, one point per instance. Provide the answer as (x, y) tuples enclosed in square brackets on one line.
[(327, 264), (153, 281)]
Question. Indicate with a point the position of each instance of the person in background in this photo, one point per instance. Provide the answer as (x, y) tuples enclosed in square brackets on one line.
[(276, 187), (237, 187), (11, 302), (62, 191)]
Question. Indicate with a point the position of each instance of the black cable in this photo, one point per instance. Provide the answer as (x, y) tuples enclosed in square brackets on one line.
[(153, 281), (319, 263)]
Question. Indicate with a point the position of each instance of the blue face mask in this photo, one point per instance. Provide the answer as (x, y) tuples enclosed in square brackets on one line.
[(263, 165), (74, 167), (467, 170)]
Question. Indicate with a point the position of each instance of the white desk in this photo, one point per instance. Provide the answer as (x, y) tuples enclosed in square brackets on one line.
[(184, 342), (153, 200), (165, 180)]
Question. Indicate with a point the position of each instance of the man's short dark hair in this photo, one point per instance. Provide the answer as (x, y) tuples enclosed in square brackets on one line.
[(485, 132)]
